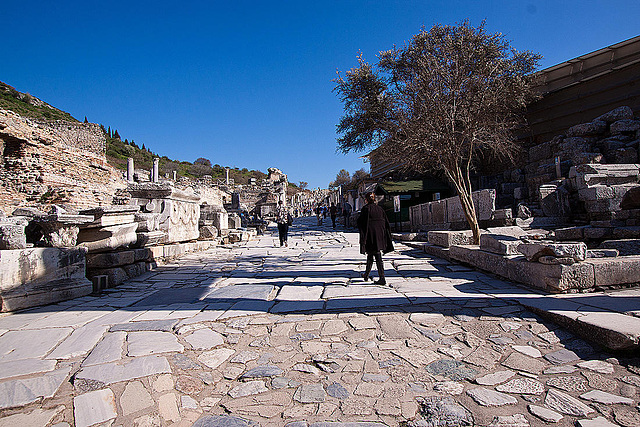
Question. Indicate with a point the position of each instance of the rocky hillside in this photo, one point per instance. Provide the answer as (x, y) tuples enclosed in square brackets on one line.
[(29, 106), (120, 148)]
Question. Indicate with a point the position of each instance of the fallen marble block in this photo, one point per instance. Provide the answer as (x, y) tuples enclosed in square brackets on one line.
[(208, 232), (502, 240), (499, 244), (150, 238), (447, 238), (533, 251), (110, 259), (38, 276), (106, 216), (602, 253), (616, 271), (553, 278), (624, 246), (108, 238)]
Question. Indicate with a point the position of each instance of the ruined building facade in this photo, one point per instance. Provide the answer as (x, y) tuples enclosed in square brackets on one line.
[(60, 163)]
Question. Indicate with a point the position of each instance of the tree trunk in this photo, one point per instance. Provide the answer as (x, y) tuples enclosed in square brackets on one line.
[(462, 183), (470, 214)]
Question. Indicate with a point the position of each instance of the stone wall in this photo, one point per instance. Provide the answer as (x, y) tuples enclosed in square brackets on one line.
[(612, 138), (448, 214), (85, 137), (63, 164)]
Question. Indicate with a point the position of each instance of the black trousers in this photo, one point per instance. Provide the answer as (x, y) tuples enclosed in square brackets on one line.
[(379, 265), (283, 230)]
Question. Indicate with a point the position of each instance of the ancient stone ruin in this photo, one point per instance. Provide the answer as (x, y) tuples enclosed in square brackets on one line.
[(570, 220), (71, 224)]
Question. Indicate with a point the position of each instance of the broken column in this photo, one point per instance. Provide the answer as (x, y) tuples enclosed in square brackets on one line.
[(130, 169), (156, 162)]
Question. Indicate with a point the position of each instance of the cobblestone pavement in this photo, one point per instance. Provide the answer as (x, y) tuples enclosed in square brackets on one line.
[(254, 334)]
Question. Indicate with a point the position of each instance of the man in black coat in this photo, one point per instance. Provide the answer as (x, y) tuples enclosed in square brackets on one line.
[(375, 236)]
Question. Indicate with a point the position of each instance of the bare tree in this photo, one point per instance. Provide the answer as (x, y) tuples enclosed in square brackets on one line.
[(450, 93), (303, 185)]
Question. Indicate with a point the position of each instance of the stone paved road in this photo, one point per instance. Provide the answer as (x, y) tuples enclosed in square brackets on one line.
[(255, 334)]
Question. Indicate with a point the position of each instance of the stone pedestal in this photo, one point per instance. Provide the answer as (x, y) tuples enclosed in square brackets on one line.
[(39, 276), (12, 233), (214, 215), (235, 221), (178, 210)]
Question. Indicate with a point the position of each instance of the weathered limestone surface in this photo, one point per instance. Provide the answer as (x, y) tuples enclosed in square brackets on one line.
[(534, 251), (616, 271), (441, 214), (446, 238), (105, 216), (502, 240), (38, 276), (35, 153), (549, 277), (179, 210), (108, 238)]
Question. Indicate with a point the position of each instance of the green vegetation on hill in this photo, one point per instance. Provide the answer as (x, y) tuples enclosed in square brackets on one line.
[(119, 151), (29, 106)]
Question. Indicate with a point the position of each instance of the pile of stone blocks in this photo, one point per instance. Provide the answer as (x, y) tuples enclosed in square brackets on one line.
[(214, 222), (612, 224), (610, 138), (528, 257), (448, 214), (111, 228), (109, 269), (108, 239), (602, 187)]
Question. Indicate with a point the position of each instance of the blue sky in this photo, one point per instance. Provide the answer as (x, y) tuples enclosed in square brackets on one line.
[(248, 83)]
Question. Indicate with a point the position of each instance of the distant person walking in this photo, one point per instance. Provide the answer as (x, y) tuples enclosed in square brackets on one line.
[(319, 214), (333, 212), (283, 218), (346, 211), (375, 236)]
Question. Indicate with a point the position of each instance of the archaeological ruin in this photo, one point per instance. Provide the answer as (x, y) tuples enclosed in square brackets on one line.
[(565, 218), (71, 224)]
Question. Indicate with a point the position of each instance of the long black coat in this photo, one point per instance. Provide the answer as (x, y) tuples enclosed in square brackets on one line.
[(375, 232)]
